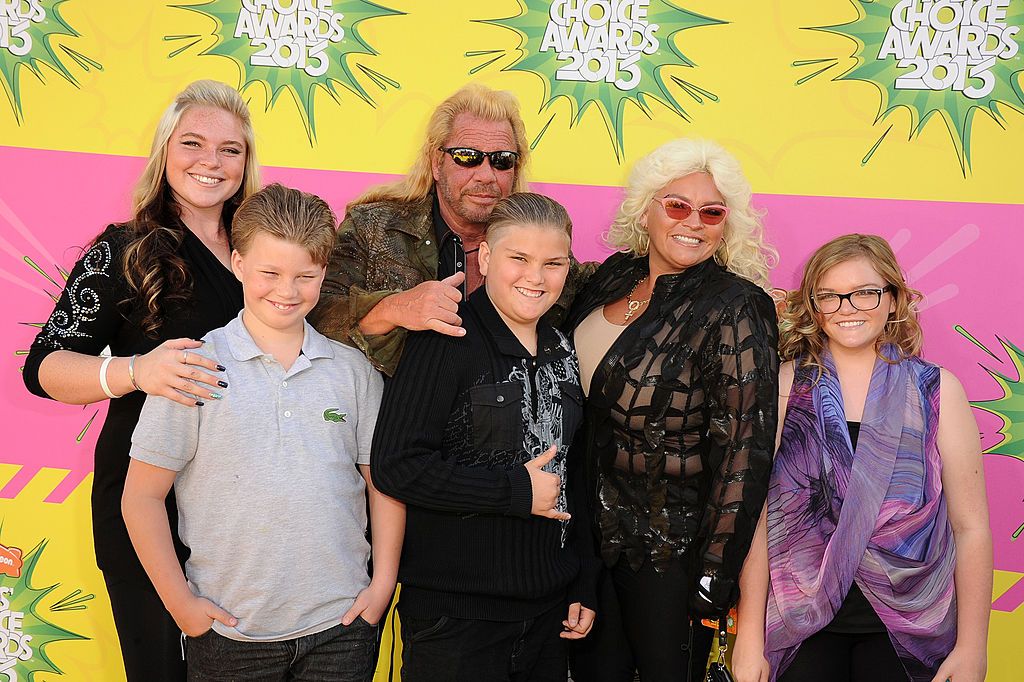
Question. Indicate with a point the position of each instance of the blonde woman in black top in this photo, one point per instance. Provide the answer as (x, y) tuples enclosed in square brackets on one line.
[(677, 344), (145, 289)]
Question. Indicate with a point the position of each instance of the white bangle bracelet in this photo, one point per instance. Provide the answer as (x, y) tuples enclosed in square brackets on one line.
[(103, 378)]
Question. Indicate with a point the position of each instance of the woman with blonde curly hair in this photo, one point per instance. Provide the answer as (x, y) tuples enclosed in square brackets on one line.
[(146, 289), (676, 340), (873, 560)]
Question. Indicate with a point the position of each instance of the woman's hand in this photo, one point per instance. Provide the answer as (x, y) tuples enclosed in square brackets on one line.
[(172, 371), (748, 661), (963, 665)]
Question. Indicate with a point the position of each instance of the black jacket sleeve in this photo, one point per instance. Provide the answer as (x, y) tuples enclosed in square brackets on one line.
[(582, 532), (407, 461), (742, 370)]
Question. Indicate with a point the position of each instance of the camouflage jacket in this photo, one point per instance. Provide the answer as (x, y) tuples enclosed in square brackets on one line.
[(383, 248)]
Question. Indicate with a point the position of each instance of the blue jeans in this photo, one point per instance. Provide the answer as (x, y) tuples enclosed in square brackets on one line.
[(340, 654), (445, 649)]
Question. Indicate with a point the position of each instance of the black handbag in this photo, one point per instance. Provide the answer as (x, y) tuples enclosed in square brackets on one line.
[(718, 671)]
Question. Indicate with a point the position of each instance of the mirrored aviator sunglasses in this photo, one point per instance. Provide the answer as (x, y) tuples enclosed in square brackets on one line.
[(467, 157), (680, 209)]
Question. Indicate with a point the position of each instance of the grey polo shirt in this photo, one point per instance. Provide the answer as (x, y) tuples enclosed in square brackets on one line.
[(269, 496)]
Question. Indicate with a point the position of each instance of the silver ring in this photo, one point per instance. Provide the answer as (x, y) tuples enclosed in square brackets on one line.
[(184, 357)]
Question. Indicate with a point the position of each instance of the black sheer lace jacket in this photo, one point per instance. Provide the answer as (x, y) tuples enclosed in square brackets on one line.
[(681, 419)]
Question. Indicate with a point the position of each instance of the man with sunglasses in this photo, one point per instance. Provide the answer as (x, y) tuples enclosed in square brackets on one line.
[(406, 253)]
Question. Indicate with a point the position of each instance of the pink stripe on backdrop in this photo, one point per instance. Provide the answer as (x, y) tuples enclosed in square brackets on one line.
[(965, 257)]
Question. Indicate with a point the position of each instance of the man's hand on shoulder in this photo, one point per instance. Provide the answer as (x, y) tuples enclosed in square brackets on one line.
[(430, 305)]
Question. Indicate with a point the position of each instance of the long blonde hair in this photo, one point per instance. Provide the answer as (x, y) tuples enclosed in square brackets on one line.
[(155, 271), (743, 250), (478, 100), (800, 335)]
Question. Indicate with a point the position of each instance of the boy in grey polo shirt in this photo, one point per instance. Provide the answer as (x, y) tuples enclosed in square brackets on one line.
[(270, 479)]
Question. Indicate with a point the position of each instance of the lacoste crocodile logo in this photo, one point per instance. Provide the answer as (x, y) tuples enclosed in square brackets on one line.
[(333, 415)]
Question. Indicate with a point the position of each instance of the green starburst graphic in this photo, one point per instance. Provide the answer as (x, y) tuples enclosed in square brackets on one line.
[(1009, 407), (35, 632), (656, 82), (38, 34), (957, 110), (296, 82)]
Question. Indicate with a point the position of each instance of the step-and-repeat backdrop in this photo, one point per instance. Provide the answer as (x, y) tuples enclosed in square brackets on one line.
[(903, 118)]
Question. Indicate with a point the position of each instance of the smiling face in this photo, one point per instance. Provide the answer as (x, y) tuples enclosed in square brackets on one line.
[(678, 244), (280, 284), (525, 268), (468, 195), (849, 328), (205, 159)]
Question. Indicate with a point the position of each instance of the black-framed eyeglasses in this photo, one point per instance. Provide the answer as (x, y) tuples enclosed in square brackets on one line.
[(467, 157), (861, 299)]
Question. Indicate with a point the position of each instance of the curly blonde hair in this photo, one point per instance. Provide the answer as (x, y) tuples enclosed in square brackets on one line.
[(743, 250), (801, 335), (473, 98)]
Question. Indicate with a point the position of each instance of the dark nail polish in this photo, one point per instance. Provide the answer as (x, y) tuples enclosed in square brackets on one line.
[(221, 368), (199, 403), (222, 384)]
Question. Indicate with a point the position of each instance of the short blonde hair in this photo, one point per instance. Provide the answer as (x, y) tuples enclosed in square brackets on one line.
[(473, 98), (800, 335), (528, 208), (287, 214), (743, 250)]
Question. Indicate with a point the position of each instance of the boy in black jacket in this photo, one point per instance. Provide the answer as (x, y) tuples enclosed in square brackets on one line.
[(473, 436)]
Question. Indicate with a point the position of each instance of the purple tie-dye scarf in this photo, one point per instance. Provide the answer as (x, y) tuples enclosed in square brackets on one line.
[(877, 517)]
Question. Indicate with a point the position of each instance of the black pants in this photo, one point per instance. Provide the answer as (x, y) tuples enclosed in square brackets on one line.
[(150, 639), (444, 649), (642, 626), (841, 657)]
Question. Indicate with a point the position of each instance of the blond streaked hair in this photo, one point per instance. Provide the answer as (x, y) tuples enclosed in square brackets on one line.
[(478, 100), (801, 334), (527, 208), (288, 214), (743, 250), (155, 271)]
